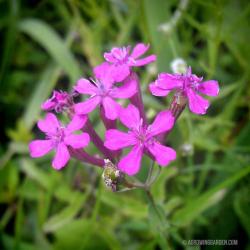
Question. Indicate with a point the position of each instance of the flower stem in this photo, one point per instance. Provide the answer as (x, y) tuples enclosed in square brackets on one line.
[(177, 106), (85, 157), (110, 124), (162, 223), (97, 140), (136, 99), (150, 171)]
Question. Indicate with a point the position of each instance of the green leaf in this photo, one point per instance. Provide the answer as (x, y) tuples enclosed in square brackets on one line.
[(53, 44), (65, 216), (196, 206), (157, 12), (39, 95), (33, 172)]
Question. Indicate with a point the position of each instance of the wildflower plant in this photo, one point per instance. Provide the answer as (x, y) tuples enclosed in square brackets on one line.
[(127, 126)]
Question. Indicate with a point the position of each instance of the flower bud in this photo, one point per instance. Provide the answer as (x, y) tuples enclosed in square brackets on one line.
[(59, 102), (111, 175), (187, 149), (178, 65)]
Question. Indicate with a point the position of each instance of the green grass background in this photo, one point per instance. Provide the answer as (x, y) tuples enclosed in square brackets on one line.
[(47, 44)]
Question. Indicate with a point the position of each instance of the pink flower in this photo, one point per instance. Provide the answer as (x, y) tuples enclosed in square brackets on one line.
[(102, 91), (122, 60), (58, 102), (188, 85), (142, 139), (59, 138)]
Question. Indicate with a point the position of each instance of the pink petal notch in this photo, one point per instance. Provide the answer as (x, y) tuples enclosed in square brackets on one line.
[(197, 104), (210, 88), (39, 148), (77, 122), (62, 156), (163, 122), (158, 91), (88, 105), (84, 86), (111, 108), (139, 50), (130, 164), (127, 90), (130, 116), (49, 124), (163, 154)]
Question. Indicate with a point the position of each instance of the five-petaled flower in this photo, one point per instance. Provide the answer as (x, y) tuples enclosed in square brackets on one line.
[(59, 138), (188, 85), (102, 92), (58, 102), (142, 138), (121, 60)]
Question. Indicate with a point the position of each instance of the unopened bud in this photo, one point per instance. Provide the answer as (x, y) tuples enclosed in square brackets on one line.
[(187, 149), (178, 65), (111, 175), (152, 69), (59, 102)]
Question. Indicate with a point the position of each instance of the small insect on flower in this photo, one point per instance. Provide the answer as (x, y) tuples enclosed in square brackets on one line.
[(111, 175)]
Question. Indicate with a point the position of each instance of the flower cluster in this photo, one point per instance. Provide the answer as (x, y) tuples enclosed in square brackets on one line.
[(115, 79)]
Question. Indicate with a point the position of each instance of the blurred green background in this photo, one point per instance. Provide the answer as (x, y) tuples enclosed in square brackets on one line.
[(204, 194)]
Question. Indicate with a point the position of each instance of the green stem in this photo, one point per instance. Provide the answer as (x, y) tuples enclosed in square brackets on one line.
[(162, 235), (150, 171)]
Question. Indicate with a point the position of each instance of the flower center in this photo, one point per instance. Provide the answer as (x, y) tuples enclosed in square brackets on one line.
[(121, 55), (58, 136), (142, 133), (102, 89)]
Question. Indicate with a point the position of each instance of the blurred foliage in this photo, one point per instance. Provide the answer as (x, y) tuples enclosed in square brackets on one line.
[(48, 44)]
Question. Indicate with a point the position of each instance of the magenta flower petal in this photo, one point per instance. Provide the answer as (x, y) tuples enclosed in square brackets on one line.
[(105, 74), (115, 139), (100, 70), (61, 157), (120, 53), (130, 116), (84, 86), (130, 164), (48, 105), (144, 61), (49, 124), (157, 91), (109, 57), (169, 81), (40, 148), (139, 50), (76, 123), (163, 155), (111, 108), (210, 88), (197, 104), (163, 122), (88, 105), (127, 90), (77, 141), (120, 72)]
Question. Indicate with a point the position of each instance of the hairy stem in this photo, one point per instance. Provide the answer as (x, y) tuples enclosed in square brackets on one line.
[(137, 98), (81, 155), (97, 140)]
